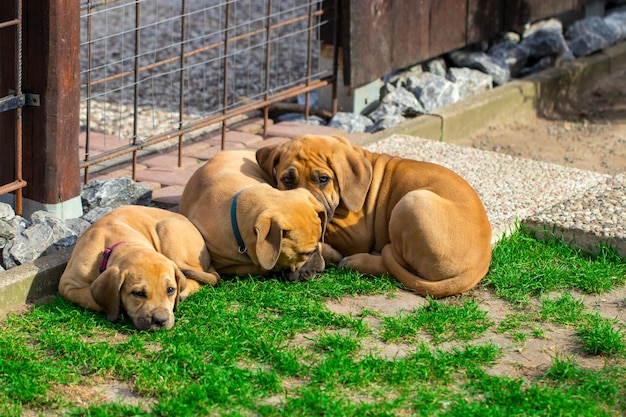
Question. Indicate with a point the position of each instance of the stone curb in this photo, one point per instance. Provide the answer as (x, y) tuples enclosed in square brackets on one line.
[(26, 284)]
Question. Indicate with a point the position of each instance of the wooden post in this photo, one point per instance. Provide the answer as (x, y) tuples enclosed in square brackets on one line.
[(50, 134)]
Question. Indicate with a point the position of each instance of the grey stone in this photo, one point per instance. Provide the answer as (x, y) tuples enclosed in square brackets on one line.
[(590, 35), (435, 91), (398, 102), (61, 235), (114, 193), (351, 122), (77, 225), (96, 213), (10, 229), (545, 38), (469, 81), (544, 63), (28, 246), (404, 100), (482, 62), (7, 233), (387, 122), (299, 118), (6, 212), (383, 111), (617, 21), (512, 54), (436, 66)]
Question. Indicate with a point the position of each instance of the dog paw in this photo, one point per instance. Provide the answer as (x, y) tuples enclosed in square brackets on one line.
[(343, 263)]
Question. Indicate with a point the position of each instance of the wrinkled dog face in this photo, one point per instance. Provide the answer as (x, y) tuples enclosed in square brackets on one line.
[(327, 166), (303, 221), (150, 302)]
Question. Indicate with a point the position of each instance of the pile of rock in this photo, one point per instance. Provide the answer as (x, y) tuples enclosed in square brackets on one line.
[(440, 82), (23, 241)]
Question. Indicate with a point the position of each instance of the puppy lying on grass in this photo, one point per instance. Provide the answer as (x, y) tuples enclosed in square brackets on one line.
[(140, 260)]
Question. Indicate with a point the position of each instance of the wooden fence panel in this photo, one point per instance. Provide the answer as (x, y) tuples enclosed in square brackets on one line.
[(386, 35), (485, 19), (448, 26), (519, 12), (409, 32)]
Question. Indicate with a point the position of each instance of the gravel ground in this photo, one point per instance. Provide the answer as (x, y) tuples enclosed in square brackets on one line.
[(511, 188)]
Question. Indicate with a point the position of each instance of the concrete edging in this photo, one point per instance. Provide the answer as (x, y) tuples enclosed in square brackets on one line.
[(26, 284)]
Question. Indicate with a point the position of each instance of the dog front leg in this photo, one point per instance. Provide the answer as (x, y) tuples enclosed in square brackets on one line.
[(331, 255), (82, 297), (365, 263)]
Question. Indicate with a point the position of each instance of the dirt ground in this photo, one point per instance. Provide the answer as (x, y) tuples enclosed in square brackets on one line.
[(590, 134)]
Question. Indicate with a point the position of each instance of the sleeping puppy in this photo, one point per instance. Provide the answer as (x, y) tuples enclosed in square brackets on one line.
[(251, 227), (417, 221), (137, 259)]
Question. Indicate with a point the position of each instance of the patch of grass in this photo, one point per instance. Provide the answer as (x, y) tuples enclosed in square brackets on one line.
[(523, 267), (563, 310), (521, 326), (598, 335), (442, 320), (606, 385), (255, 346), (497, 396)]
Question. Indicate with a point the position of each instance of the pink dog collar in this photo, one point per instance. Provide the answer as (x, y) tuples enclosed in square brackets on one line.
[(105, 256)]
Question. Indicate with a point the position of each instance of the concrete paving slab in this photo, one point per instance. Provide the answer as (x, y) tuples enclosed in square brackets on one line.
[(253, 126), (292, 129), (168, 197), (167, 160), (587, 220), (166, 176)]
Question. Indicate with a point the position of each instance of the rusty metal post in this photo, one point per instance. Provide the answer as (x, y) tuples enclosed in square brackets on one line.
[(52, 71)]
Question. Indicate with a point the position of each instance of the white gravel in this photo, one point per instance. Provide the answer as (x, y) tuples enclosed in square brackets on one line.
[(512, 189)]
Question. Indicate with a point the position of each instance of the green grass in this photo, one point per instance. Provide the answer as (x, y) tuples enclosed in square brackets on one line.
[(255, 346), (524, 267)]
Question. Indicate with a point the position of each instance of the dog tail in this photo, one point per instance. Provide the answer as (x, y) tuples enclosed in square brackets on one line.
[(437, 289)]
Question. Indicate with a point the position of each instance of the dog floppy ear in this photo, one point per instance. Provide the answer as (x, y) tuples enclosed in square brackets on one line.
[(269, 236), (266, 157), (181, 284), (105, 291), (354, 175)]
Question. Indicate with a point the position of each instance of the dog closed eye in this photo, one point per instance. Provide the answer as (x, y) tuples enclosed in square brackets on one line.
[(139, 293)]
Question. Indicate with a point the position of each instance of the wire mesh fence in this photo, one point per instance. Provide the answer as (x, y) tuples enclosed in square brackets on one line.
[(157, 70)]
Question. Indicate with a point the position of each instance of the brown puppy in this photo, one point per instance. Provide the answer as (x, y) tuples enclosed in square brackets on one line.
[(139, 259), (229, 196), (426, 221)]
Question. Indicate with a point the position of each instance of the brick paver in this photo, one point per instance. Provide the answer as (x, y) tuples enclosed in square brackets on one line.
[(161, 170)]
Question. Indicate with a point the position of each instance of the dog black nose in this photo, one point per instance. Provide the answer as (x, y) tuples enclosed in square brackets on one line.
[(159, 318)]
